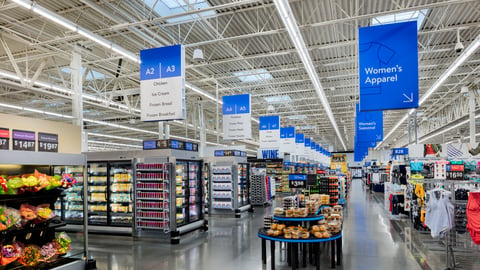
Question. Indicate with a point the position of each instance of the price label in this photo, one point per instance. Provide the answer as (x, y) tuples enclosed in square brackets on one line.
[(297, 180), (455, 175), (4, 138), (23, 140), (47, 142), (297, 184)]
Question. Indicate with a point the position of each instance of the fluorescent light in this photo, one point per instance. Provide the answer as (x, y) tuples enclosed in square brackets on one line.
[(113, 137), (95, 39), (253, 75), (53, 17), (11, 106), (296, 117), (416, 15), (23, 4), (288, 19), (278, 99), (115, 144)]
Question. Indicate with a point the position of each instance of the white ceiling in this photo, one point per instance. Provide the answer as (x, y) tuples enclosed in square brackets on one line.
[(235, 36)]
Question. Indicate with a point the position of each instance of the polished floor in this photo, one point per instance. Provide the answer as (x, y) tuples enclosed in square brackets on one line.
[(371, 241)]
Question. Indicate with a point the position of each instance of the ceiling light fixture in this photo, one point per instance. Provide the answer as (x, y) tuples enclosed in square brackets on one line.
[(288, 19), (459, 61)]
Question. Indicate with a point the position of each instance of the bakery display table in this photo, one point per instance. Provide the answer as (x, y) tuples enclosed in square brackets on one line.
[(298, 219), (311, 243)]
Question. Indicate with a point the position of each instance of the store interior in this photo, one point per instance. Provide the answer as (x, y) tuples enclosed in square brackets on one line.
[(246, 134)]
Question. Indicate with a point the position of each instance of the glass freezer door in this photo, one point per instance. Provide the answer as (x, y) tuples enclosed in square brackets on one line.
[(194, 191), (120, 193), (181, 180), (97, 193), (72, 211)]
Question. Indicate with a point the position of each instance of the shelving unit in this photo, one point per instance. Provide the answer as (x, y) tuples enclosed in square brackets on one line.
[(222, 188), (72, 211), (41, 233), (152, 196)]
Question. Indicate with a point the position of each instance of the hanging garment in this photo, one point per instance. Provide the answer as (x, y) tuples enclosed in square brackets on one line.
[(420, 192), (473, 216), (439, 216)]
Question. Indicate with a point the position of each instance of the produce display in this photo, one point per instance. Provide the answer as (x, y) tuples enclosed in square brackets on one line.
[(10, 253), (48, 252), (62, 243), (34, 182), (30, 256)]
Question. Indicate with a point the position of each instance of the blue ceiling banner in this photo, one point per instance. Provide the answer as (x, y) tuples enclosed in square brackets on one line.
[(313, 145), (283, 132), (368, 125), (237, 122), (269, 132), (269, 122), (388, 66), (399, 151), (299, 138), (307, 142), (287, 139)]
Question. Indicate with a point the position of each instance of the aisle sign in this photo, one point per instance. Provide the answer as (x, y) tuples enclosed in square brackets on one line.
[(399, 151), (269, 132), (388, 66), (287, 138), (47, 142), (237, 123), (162, 83), (300, 143), (23, 140), (297, 180), (368, 125), (4, 139)]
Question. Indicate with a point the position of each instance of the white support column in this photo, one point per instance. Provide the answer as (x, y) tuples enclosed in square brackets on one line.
[(203, 133), (167, 131), (77, 99), (471, 106), (160, 131), (217, 127)]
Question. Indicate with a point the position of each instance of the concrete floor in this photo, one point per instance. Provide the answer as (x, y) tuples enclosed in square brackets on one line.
[(370, 242)]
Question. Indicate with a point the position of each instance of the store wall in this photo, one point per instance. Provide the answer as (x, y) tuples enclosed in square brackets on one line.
[(69, 136)]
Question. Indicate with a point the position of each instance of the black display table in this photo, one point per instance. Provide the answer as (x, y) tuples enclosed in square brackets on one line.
[(298, 219), (292, 249)]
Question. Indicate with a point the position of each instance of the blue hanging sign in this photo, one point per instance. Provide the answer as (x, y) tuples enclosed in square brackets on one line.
[(237, 123), (368, 125), (388, 66), (307, 142), (269, 132), (162, 83), (299, 138), (399, 151)]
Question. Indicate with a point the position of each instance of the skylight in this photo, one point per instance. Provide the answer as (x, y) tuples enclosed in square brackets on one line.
[(417, 15), (92, 74), (306, 127), (296, 117), (278, 99), (174, 7), (253, 75)]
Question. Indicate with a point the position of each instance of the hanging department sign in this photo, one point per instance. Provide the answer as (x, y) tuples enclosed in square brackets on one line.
[(269, 132), (388, 66), (237, 123), (300, 143), (287, 139), (162, 83)]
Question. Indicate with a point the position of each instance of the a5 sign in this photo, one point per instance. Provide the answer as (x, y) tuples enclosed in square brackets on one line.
[(4, 138), (23, 140)]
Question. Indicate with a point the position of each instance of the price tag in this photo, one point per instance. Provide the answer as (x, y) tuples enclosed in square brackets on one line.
[(4, 138), (297, 180), (23, 140), (47, 142), (455, 175)]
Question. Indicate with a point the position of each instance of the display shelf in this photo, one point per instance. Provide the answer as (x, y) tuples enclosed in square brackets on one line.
[(262, 233), (298, 219)]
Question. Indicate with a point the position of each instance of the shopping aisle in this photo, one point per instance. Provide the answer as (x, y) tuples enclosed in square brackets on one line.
[(370, 242)]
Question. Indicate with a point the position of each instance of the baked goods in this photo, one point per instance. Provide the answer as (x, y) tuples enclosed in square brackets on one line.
[(270, 232), (288, 235), (278, 211), (273, 226), (315, 228), (318, 234), (322, 228), (280, 227), (305, 235), (277, 233), (325, 235), (289, 213)]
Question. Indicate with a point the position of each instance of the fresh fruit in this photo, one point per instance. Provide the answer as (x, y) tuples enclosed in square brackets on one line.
[(14, 183), (30, 181)]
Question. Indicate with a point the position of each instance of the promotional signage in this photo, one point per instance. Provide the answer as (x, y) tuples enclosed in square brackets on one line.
[(169, 144), (368, 125), (297, 180), (23, 140), (338, 162), (270, 153), (229, 153), (237, 123), (162, 83), (269, 132), (388, 66), (399, 151), (287, 139), (4, 139), (47, 142), (300, 143)]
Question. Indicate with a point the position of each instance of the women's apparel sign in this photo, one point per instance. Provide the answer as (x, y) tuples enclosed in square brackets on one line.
[(237, 123), (368, 125), (388, 66), (269, 132), (162, 83), (4, 139)]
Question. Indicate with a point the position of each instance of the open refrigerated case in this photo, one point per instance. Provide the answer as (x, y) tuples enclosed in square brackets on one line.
[(229, 186), (41, 232), (168, 194), (70, 207)]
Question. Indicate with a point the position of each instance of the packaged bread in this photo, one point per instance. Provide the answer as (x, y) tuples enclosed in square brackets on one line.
[(315, 228), (318, 234), (325, 235), (280, 227), (273, 226), (289, 213), (322, 228), (288, 235)]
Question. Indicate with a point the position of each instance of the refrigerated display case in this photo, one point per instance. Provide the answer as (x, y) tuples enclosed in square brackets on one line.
[(97, 193), (70, 207), (229, 186), (172, 205)]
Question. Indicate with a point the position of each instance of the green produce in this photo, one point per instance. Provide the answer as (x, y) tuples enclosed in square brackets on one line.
[(14, 183), (30, 181)]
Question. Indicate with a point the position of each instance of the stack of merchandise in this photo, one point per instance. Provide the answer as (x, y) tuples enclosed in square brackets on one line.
[(322, 184), (325, 199), (267, 221), (333, 189), (333, 218), (258, 189), (289, 202)]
